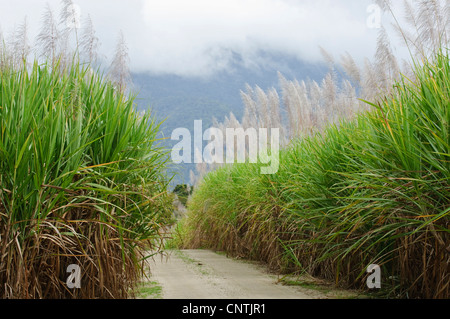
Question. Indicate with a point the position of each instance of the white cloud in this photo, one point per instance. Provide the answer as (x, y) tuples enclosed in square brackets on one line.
[(198, 37)]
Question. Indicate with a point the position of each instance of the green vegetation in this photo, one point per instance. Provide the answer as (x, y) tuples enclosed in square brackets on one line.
[(183, 191), (148, 290), (179, 234), (81, 182), (373, 190)]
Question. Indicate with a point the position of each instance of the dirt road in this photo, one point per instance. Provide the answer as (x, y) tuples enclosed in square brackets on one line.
[(202, 274)]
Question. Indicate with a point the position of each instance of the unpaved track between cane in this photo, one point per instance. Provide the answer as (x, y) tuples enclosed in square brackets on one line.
[(203, 274)]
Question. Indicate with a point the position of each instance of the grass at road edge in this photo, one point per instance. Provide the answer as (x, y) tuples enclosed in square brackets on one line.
[(148, 290)]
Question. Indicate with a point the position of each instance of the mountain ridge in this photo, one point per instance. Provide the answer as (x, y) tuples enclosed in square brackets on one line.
[(178, 100)]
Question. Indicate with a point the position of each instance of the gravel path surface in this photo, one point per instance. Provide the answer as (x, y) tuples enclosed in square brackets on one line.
[(203, 274)]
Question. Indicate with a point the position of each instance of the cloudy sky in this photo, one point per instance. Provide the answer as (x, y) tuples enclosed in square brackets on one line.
[(199, 37)]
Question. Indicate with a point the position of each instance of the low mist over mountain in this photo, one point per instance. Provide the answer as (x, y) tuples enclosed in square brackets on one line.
[(179, 101)]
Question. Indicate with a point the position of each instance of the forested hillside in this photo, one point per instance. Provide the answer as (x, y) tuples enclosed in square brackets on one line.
[(181, 100)]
